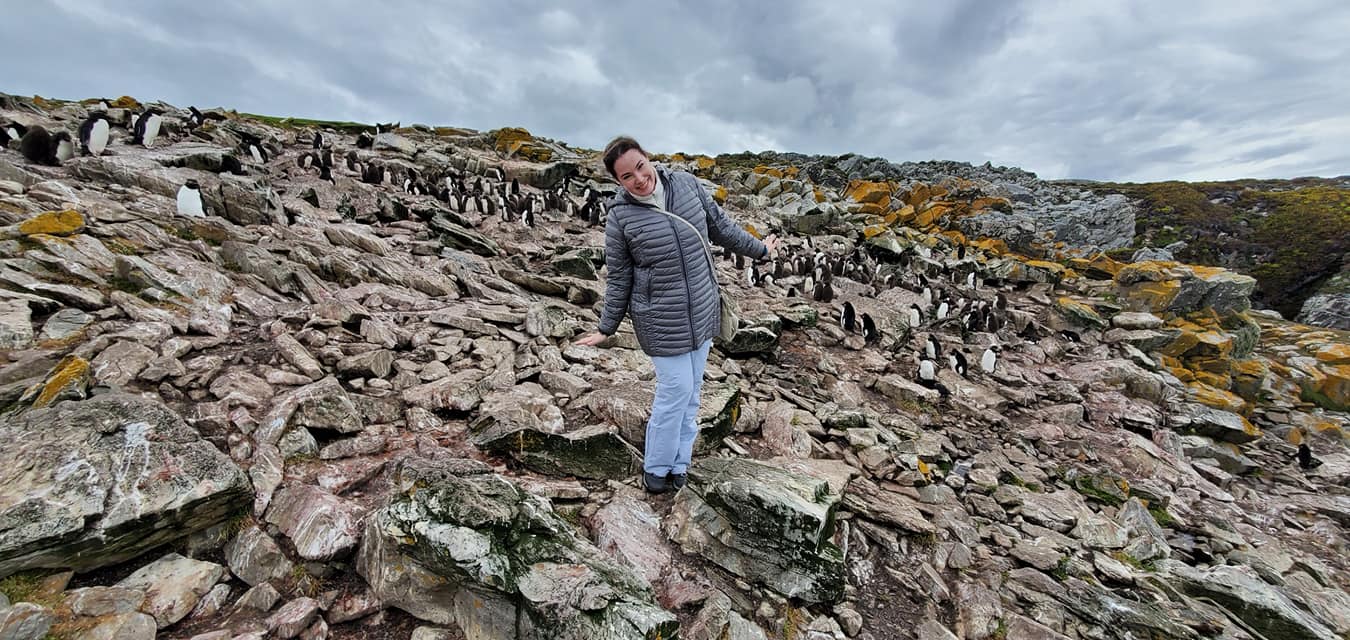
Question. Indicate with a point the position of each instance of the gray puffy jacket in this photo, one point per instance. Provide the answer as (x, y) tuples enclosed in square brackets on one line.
[(659, 272)]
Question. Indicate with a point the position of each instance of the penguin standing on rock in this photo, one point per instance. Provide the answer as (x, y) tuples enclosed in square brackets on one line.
[(848, 318), (190, 200), (94, 134), (1305, 457), (989, 359), (869, 328), (147, 127)]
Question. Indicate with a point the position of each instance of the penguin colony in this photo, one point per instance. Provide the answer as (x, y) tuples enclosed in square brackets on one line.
[(955, 305)]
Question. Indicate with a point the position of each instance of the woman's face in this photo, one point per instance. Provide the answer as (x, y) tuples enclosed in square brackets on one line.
[(635, 172)]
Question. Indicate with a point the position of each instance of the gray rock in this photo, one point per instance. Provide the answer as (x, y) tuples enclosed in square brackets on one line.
[(457, 544), (1136, 320), (1099, 532), (390, 141), (296, 354), (254, 557), (717, 620), (630, 531), (65, 323), (172, 586), (122, 626), (353, 606), (321, 526), (16, 324), (25, 621), (1056, 510), (762, 523), (119, 364), (260, 598), (1267, 608), (102, 601), (292, 618), (786, 430), (978, 611), (886, 507), (1215, 423), (213, 601), (98, 482)]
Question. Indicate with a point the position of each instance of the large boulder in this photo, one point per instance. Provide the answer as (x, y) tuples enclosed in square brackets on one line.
[(97, 482), (460, 545), (762, 523)]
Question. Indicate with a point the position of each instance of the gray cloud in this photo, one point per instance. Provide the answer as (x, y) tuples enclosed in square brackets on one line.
[(1123, 91)]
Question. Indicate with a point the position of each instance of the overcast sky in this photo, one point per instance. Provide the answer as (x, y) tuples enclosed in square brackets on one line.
[(1176, 89)]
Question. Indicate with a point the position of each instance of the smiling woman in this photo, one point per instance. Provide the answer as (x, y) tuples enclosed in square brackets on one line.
[(661, 274)]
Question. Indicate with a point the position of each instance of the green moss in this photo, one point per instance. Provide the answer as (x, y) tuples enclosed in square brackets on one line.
[(1163, 518), (1061, 570), (1288, 234), (302, 123), (26, 586)]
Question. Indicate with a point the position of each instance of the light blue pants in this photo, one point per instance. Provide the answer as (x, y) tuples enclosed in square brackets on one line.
[(674, 423)]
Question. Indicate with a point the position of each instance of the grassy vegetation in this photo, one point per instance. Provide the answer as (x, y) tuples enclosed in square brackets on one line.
[(301, 123), (1291, 235)]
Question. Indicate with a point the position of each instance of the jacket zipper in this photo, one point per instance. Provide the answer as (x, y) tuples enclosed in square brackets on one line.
[(712, 272)]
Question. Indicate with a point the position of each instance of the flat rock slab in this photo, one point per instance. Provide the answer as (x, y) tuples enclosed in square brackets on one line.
[(173, 585), (97, 482)]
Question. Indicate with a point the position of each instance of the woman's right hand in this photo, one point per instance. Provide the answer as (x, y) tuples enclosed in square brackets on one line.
[(591, 339)]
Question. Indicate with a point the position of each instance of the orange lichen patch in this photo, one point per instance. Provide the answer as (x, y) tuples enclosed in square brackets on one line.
[(869, 192), (820, 196), (720, 195), (1155, 297), (1102, 263), (979, 204), (56, 223), (930, 215), (1295, 436), (125, 102), (1184, 342), (871, 209), (905, 214), (1216, 380), (70, 371), (704, 162), (791, 172), (767, 170), (955, 236), (874, 230), (508, 135), (1150, 271), (753, 230), (918, 194), (1220, 399), (1336, 385), (1334, 354), (992, 246)]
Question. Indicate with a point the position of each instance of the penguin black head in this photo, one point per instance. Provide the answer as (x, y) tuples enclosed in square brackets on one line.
[(191, 183), (318, 140)]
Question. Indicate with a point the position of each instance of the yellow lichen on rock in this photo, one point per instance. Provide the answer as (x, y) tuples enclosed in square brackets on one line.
[(704, 162), (869, 192), (71, 371), (1220, 399), (55, 223), (1333, 354), (126, 102), (720, 195)]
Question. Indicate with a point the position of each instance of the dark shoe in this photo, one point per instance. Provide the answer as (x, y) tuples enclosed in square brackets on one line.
[(654, 483), (678, 480)]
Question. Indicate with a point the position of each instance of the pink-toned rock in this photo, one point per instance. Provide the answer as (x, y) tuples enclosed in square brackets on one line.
[(321, 525), (293, 617), (630, 531)]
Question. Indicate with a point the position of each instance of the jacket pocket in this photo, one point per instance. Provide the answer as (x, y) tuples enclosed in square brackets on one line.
[(642, 287)]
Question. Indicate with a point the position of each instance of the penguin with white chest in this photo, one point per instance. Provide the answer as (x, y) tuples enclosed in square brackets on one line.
[(190, 200), (94, 133), (147, 127), (989, 359)]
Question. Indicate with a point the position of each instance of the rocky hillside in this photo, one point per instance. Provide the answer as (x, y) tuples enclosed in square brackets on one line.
[(1293, 236), (342, 401)]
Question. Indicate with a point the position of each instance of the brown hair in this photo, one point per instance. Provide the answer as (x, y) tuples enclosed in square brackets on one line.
[(618, 147)]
